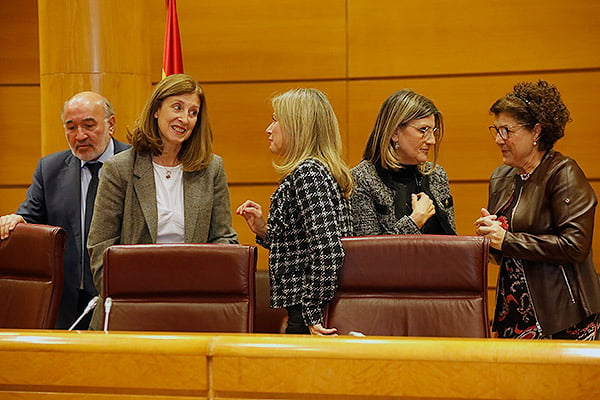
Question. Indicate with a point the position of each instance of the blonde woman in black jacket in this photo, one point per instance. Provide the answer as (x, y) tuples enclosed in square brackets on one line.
[(310, 210)]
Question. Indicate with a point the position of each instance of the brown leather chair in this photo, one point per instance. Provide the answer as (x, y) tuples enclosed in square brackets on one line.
[(180, 287), (422, 285), (31, 276), (267, 319)]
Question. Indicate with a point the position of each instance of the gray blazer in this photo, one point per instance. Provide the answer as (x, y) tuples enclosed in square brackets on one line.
[(125, 211), (373, 203)]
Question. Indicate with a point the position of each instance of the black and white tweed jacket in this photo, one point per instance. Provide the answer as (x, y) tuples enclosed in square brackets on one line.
[(373, 203), (307, 219)]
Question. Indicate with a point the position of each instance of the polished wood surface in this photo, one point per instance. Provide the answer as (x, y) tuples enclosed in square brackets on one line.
[(19, 63), (430, 37), (53, 364), (266, 40), (11, 198), (353, 368), (46, 364), (109, 36), (107, 52), (20, 146)]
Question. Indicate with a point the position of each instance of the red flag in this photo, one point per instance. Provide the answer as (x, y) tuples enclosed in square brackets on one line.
[(172, 58)]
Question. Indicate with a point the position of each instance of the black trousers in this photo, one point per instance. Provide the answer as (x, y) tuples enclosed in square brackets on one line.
[(295, 324)]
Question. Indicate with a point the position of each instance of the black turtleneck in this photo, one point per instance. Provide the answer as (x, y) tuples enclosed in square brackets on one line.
[(404, 182)]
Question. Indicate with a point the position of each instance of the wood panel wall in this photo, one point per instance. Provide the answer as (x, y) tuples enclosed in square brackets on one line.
[(243, 52)]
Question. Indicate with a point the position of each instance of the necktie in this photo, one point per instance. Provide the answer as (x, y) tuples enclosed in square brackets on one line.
[(89, 210)]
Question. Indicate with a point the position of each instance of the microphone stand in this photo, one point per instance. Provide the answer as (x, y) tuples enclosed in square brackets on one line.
[(107, 306), (90, 306)]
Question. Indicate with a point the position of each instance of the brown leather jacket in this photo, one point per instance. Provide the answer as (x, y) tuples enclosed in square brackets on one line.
[(551, 231)]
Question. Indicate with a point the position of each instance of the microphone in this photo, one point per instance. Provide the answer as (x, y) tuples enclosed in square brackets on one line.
[(90, 306), (356, 333), (107, 306)]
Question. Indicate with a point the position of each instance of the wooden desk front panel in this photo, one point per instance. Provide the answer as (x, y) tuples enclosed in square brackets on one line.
[(53, 364), (403, 368)]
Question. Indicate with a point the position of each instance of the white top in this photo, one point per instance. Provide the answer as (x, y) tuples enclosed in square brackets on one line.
[(169, 201)]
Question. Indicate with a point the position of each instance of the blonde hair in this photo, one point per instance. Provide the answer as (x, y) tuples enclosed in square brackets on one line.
[(398, 110), (196, 152), (311, 131)]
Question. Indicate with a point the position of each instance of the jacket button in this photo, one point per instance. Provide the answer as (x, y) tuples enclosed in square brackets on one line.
[(567, 200)]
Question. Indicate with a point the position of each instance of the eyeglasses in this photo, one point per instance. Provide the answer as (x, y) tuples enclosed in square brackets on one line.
[(427, 132), (503, 131)]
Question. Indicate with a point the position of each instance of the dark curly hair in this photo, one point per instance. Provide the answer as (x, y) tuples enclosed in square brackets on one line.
[(532, 103)]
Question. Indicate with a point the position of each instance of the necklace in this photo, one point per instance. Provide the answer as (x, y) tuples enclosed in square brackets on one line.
[(168, 170)]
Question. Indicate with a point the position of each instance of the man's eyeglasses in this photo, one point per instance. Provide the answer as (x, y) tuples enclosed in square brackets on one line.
[(503, 131), (427, 132)]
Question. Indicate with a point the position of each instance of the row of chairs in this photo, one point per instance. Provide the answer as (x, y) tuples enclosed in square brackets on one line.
[(389, 285)]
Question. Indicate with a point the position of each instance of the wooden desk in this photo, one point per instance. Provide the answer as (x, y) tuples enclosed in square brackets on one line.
[(90, 365), (53, 364)]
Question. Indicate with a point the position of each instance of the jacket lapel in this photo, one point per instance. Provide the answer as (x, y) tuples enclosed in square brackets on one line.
[(503, 190), (145, 191), (440, 208)]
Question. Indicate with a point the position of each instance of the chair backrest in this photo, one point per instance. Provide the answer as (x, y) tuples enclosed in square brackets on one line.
[(31, 276), (267, 319), (180, 287), (413, 285)]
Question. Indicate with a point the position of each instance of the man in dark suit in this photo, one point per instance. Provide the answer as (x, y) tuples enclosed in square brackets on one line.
[(63, 189)]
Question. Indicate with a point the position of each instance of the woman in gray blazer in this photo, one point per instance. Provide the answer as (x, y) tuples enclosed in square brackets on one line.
[(397, 190), (170, 187)]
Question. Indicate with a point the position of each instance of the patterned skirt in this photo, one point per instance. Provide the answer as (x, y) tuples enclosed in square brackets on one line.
[(515, 316)]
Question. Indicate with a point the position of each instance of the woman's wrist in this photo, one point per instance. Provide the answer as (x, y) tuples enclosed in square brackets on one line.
[(411, 216)]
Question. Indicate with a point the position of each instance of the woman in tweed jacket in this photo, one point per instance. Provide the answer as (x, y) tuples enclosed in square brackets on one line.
[(310, 210), (397, 191)]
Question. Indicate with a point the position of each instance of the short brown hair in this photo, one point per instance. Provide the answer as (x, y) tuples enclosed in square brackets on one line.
[(532, 103)]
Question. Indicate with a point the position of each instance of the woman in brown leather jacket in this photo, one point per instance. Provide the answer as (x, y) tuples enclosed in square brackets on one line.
[(540, 223)]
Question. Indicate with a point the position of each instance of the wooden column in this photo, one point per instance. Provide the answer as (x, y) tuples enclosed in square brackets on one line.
[(98, 45)]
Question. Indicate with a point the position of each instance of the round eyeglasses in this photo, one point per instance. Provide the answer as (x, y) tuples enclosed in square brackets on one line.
[(503, 131), (427, 132)]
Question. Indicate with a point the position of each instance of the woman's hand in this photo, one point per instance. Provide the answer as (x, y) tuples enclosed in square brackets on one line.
[(8, 223), (252, 213), (319, 329), (423, 208), (488, 225)]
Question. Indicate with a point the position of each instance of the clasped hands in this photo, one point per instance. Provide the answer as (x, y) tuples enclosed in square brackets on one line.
[(488, 225)]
